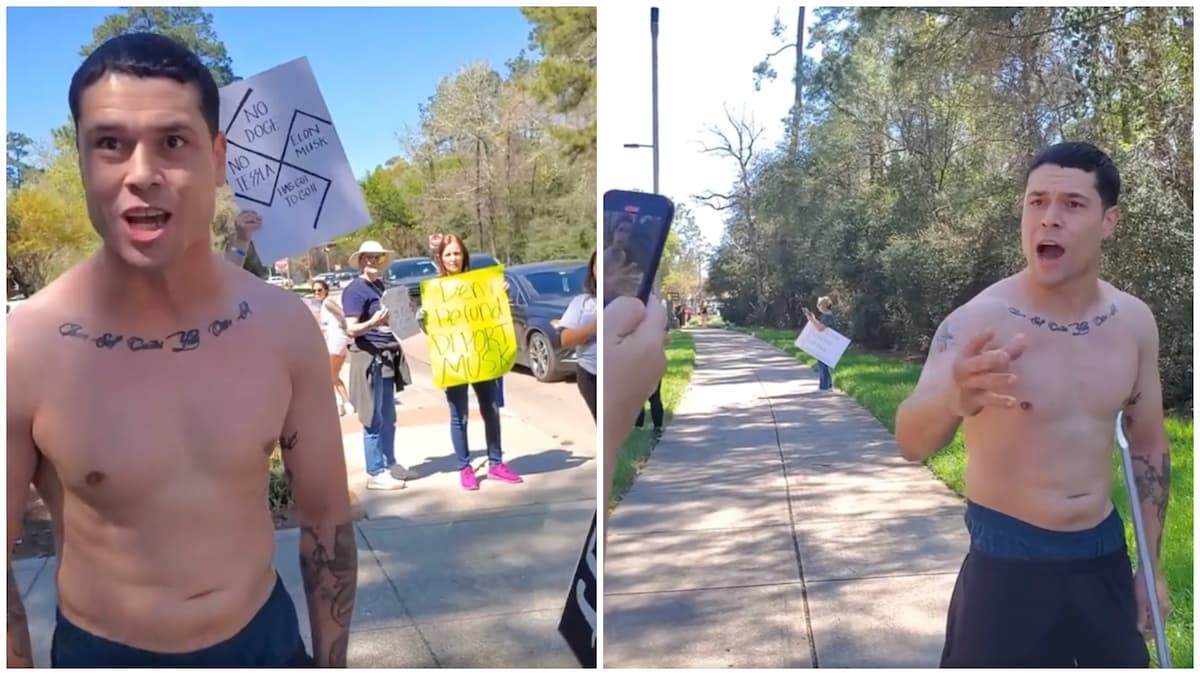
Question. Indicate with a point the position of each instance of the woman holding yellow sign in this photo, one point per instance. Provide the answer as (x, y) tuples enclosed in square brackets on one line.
[(452, 258)]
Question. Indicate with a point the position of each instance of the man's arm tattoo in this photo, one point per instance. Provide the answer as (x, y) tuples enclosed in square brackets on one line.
[(1153, 486), (944, 337), (20, 652), (330, 572)]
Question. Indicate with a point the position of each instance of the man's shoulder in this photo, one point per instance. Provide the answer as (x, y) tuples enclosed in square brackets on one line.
[(45, 310), (988, 305), (1139, 317), (273, 302), (1127, 302)]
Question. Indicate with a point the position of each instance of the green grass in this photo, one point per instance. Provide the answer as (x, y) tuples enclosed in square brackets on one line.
[(681, 355), (880, 383)]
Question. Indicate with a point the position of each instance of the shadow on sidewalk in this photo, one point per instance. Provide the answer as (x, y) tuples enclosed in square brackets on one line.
[(545, 461)]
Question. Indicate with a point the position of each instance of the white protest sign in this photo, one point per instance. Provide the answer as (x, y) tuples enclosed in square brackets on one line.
[(284, 160), (826, 346), (402, 315)]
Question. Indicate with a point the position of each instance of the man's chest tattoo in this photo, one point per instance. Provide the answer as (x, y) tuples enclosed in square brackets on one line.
[(185, 340), (1075, 328)]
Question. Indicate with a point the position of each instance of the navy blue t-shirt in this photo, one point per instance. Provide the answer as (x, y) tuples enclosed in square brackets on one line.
[(360, 300), (830, 321)]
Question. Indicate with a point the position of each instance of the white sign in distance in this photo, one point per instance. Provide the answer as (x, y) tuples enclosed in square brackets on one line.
[(402, 314), (826, 346), (284, 160)]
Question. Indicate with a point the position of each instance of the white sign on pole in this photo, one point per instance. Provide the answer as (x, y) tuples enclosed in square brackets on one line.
[(284, 160), (826, 346)]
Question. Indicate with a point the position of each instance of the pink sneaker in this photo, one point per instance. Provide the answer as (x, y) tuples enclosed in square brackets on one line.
[(467, 478), (503, 473)]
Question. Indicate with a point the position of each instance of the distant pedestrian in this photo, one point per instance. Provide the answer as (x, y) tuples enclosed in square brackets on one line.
[(827, 320), (337, 342)]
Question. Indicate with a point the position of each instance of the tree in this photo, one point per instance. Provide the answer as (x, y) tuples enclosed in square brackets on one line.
[(916, 127), (764, 71), (191, 26), (681, 269), (48, 228), (565, 77), (19, 147)]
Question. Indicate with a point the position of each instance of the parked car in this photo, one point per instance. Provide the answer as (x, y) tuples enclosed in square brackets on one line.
[(281, 281), (410, 272), (330, 279), (539, 294)]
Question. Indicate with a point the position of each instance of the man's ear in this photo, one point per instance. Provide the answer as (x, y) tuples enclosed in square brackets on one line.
[(219, 157), (1109, 222)]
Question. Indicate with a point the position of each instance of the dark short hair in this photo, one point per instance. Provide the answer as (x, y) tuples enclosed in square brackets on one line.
[(321, 283), (148, 55), (623, 219), (1085, 157)]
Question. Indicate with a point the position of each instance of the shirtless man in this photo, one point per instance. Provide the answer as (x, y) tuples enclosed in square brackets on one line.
[(1036, 368), (122, 414)]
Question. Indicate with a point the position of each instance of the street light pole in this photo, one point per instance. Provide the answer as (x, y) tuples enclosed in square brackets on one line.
[(654, 88)]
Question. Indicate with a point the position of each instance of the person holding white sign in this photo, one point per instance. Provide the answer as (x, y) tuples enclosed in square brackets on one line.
[(827, 320), (147, 390), (1035, 369), (378, 368)]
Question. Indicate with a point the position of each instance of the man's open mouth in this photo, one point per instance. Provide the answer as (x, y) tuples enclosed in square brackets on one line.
[(1049, 250), (146, 219)]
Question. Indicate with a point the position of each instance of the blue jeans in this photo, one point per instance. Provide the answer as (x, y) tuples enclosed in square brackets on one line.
[(485, 393), (826, 378), (499, 392), (379, 439)]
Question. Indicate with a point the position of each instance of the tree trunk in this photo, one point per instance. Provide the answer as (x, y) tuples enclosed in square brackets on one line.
[(478, 190), (794, 122)]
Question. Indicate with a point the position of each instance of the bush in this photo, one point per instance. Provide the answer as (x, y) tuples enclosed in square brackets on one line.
[(279, 489)]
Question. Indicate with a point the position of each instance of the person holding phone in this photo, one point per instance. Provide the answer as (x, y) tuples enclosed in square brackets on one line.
[(452, 257), (378, 368), (577, 328), (634, 360), (827, 320)]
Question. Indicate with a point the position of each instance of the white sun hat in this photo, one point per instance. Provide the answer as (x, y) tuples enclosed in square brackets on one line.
[(368, 247)]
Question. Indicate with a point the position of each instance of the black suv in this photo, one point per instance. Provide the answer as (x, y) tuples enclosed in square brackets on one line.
[(410, 272)]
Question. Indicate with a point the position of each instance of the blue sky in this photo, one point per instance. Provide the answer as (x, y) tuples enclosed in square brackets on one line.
[(374, 65)]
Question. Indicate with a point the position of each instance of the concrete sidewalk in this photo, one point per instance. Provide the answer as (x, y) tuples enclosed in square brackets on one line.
[(777, 526), (446, 577)]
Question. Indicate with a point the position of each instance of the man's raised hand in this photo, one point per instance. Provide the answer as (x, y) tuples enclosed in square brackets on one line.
[(982, 377)]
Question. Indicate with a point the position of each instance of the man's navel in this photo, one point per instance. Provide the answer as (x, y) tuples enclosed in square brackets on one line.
[(94, 478)]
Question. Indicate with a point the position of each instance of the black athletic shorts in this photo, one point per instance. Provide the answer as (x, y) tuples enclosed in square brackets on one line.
[(1030, 597), (271, 639)]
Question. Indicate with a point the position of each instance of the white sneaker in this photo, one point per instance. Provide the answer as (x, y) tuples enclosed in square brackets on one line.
[(400, 472), (384, 481)]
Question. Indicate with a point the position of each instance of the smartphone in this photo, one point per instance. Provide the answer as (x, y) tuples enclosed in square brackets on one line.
[(636, 225)]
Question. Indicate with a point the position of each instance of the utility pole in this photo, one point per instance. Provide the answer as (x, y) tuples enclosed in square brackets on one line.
[(654, 89)]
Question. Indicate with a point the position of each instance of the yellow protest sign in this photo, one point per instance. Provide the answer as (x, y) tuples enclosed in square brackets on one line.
[(468, 327)]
